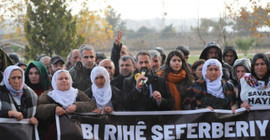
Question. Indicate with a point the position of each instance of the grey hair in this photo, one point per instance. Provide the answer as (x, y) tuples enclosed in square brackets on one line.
[(154, 53), (86, 47)]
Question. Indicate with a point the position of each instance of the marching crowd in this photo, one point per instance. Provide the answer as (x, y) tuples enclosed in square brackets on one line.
[(148, 81)]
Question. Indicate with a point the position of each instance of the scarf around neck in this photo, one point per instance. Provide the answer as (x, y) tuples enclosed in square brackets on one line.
[(65, 98), (253, 82), (172, 79), (214, 87), (102, 95)]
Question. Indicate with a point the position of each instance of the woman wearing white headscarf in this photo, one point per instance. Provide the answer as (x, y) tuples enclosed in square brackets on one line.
[(211, 91), (62, 99), (16, 99), (107, 97)]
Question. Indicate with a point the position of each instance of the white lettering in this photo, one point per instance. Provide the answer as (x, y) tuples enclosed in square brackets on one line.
[(180, 130), (252, 128), (241, 128), (228, 129), (155, 130), (262, 126), (129, 132), (168, 131), (87, 131), (109, 132), (140, 132), (191, 130), (204, 129), (217, 130)]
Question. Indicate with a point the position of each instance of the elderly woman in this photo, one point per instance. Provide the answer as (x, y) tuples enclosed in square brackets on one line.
[(210, 91), (107, 97), (178, 76), (62, 99), (16, 99), (37, 77), (255, 86)]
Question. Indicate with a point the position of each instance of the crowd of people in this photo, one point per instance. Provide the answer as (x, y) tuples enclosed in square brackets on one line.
[(91, 82)]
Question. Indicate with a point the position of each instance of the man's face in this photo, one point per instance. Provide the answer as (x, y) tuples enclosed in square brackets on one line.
[(212, 53), (124, 51), (143, 62), (75, 57), (126, 68), (107, 64), (88, 59), (57, 66), (156, 63), (229, 58)]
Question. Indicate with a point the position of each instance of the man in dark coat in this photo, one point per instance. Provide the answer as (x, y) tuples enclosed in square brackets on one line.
[(146, 92), (126, 69), (80, 73), (212, 50)]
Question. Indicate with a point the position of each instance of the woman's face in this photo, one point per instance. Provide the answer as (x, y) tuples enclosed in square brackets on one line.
[(240, 72), (33, 75), (176, 63), (15, 79), (100, 81), (260, 68), (198, 71), (63, 81), (212, 73)]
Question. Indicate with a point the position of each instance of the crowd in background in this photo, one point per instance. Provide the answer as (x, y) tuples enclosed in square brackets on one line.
[(89, 81)]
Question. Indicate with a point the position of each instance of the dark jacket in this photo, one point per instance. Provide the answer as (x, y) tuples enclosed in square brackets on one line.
[(28, 102), (226, 68), (197, 96), (80, 76), (118, 82), (141, 101), (116, 97), (115, 56)]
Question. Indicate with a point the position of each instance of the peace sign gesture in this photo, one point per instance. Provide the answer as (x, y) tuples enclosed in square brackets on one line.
[(117, 39)]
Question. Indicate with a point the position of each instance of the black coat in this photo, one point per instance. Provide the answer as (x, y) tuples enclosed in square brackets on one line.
[(136, 100)]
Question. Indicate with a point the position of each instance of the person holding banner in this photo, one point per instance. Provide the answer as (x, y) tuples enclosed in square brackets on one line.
[(59, 101), (211, 91), (107, 97), (255, 86), (178, 75), (16, 99)]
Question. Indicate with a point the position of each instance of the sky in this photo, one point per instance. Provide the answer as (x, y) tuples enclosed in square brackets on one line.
[(175, 9), (147, 9)]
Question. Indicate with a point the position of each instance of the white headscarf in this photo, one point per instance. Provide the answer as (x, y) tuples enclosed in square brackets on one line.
[(7, 73), (214, 87), (65, 98), (102, 95)]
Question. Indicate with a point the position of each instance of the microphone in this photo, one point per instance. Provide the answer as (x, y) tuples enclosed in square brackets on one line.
[(143, 72)]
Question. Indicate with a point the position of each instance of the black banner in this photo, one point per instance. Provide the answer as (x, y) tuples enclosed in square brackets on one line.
[(196, 124), (10, 129)]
